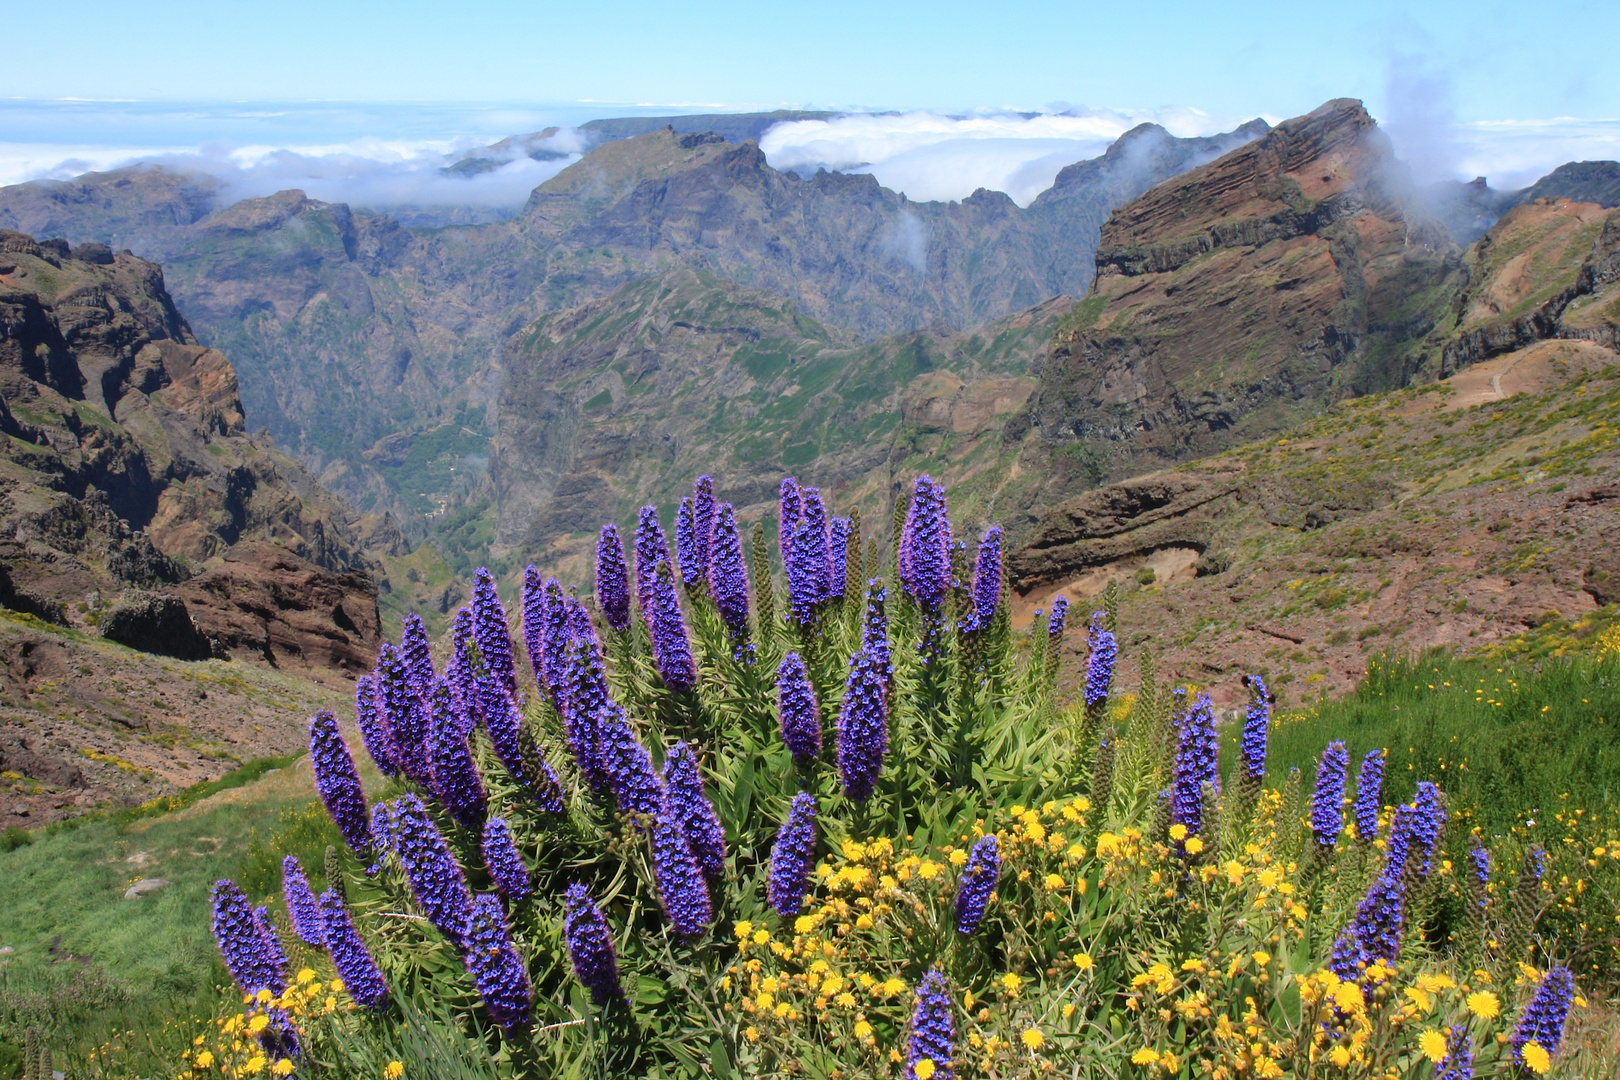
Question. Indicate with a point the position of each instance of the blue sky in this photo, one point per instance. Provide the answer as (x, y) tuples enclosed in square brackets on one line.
[(363, 101), (1499, 60)]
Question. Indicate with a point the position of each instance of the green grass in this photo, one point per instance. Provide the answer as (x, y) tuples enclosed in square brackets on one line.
[(1505, 739), (90, 966)]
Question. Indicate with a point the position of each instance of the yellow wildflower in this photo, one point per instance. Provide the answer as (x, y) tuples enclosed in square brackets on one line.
[(765, 999), (1107, 844), (1145, 1056), (205, 1060), (1068, 1009), (1340, 1056), (284, 1067), (929, 870), (1433, 1045), (1536, 1057), (1484, 1004), (1234, 872), (854, 851), (752, 1034), (762, 937), (255, 1065), (863, 1030), (846, 1000), (863, 921), (924, 1069), (1419, 998), (745, 929), (1347, 996), (1084, 962), (1011, 982), (957, 857), (1178, 831), (306, 975), (1054, 882), (1032, 1039), (1035, 831), (1262, 958), (1268, 878), (393, 1071), (892, 987), (1194, 845), (258, 1024)]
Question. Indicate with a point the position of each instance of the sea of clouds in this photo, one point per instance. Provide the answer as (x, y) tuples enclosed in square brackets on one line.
[(395, 156)]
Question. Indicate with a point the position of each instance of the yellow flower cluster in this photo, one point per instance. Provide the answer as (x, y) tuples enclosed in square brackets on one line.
[(234, 1046)]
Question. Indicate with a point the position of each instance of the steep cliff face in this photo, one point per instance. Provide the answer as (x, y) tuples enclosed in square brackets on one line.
[(1245, 294), (126, 469)]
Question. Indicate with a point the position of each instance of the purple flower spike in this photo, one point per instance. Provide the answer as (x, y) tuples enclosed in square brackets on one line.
[(683, 789), (1256, 728), (986, 582), (672, 650), (504, 722), (435, 879), (405, 716), (590, 947), (728, 576), (801, 715), (338, 782), (792, 856), (373, 724), (1196, 762), (686, 546), (302, 909), (635, 785), (495, 966), (531, 615), (704, 512), (805, 567), (651, 549), (455, 777), (925, 546), (1059, 620), (933, 1028), (792, 510), (978, 881), (1369, 795), (459, 671), (681, 888), (583, 702), (1544, 1017), (838, 557), (490, 630), (273, 950), (240, 942), (1458, 1063), (1375, 933), (417, 654), (505, 865), (1327, 801), (816, 550), (875, 635), (361, 976), (1103, 651), (1479, 859), (612, 579), (863, 725)]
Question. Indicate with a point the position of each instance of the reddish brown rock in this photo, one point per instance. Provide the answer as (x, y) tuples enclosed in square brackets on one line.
[(262, 602)]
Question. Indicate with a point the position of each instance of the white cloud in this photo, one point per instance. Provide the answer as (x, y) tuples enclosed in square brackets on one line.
[(368, 172), (1516, 153), (931, 156)]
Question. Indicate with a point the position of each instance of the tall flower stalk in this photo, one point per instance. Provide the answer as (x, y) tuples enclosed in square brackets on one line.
[(338, 782)]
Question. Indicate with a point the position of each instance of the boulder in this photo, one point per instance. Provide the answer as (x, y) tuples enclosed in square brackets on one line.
[(156, 624)]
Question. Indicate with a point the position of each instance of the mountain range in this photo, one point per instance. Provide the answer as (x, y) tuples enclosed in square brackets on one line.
[(1200, 367)]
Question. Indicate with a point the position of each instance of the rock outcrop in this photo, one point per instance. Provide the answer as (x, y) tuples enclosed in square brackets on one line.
[(1547, 269), (127, 469), (1246, 294)]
